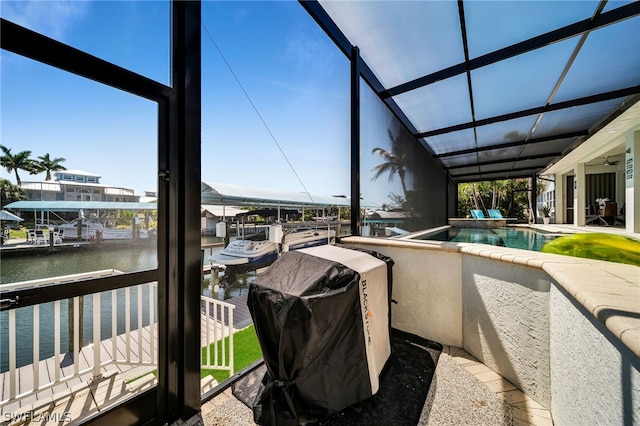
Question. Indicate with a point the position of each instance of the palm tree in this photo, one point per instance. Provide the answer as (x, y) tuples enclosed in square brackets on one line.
[(19, 161), (46, 164), (395, 162)]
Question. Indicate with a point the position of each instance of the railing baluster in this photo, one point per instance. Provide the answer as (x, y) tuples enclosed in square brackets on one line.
[(215, 333), (151, 324), (127, 321), (56, 340), (139, 323), (36, 347), (114, 325), (12, 353), (223, 332), (207, 309), (96, 336), (76, 335), (219, 317), (230, 341), (18, 389)]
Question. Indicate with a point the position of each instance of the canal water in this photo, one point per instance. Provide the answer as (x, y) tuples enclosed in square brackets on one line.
[(124, 258)]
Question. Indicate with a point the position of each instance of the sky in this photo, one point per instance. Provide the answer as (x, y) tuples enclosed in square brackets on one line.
[(275, 95)]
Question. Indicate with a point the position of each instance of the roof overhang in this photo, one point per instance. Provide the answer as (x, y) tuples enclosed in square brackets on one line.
[(609, 141)]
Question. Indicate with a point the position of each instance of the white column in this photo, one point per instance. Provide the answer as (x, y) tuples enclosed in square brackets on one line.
[(579, 184), (632, 182), (560, 202)]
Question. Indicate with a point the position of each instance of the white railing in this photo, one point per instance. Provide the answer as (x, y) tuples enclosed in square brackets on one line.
[(62, 279), (28, 380), (217, 326), (136, 346)]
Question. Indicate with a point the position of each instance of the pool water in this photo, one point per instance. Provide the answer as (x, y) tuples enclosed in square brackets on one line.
[(521, 238)]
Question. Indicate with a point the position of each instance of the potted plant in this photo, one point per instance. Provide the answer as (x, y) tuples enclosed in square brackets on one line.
[(545, 210)]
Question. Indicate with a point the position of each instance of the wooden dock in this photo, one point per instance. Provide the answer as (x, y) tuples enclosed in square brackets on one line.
[(241, 315), (81, 395)]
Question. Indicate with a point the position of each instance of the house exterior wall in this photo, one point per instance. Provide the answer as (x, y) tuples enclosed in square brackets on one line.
[(77, 188)]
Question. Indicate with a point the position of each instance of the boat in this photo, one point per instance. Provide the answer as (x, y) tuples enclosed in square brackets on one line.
[(94, 229), (253, 254)]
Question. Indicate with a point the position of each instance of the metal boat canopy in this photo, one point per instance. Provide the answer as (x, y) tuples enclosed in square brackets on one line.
[(236, 195)]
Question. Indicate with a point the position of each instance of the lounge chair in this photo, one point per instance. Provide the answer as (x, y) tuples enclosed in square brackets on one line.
[(39, 237), (495, 214), (57, 236), (31, 235), (477, 214)]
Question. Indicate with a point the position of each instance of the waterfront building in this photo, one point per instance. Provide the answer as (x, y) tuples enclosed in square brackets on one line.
[(77, 185)]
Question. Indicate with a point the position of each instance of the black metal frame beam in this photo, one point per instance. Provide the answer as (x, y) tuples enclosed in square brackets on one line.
[(511, 173), (177, 394), (615, 15), (38, 47), (598, 20), (514, 144), (355, 141), (184, 178), (44, 294), (614, 94), (334, 33), (505, 160)]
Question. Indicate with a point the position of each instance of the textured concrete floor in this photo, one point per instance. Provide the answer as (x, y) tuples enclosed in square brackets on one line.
[(456, 397)]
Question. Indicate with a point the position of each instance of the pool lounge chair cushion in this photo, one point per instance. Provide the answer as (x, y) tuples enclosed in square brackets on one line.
[(477, 214), (495, 214)]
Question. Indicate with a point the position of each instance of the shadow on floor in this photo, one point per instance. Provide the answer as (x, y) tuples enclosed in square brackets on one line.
[(404, 384)]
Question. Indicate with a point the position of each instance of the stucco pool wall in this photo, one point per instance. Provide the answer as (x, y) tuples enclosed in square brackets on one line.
[(505, 322), (589, 362), (564, 330)]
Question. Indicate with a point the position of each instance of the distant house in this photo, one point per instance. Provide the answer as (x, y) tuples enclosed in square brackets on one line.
[(149, 197), (210, 215), (76, 185)]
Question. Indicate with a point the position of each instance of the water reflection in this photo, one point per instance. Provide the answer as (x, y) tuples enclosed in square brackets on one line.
[(125, 258)]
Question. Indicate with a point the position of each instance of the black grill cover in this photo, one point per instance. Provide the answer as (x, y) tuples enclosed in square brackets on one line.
[(322, 318)]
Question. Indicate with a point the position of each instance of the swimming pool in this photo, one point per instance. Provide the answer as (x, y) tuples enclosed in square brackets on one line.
[(521, 238)]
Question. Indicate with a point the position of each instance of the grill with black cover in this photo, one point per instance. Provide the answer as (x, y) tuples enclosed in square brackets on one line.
[(322, 318)]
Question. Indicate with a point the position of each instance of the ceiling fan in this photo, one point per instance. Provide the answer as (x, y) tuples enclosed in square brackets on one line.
[(609, 163)]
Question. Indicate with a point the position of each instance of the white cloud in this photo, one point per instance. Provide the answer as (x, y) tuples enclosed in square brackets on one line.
[(54, 19)]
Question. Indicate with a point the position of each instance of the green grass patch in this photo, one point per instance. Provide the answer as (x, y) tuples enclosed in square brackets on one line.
[(153, 372), (246, 351), (612, 248)]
